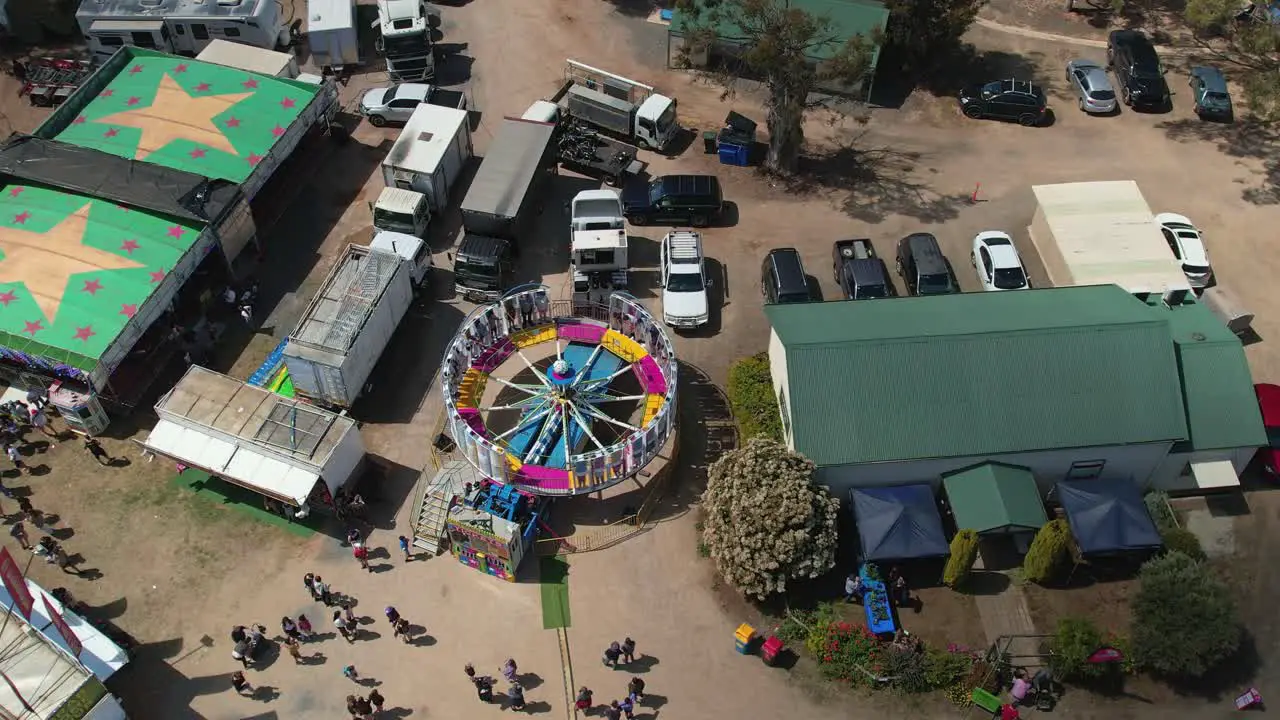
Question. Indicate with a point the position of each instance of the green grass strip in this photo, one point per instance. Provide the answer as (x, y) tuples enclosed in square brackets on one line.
[(553, 573), (224, 494)]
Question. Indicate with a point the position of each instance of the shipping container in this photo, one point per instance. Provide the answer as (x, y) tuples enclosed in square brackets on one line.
[(430, 153), (506, 188)]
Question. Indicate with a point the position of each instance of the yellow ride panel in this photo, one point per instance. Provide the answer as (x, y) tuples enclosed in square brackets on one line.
[(471, 388), (528, 338), (624, 347), (652, 404)]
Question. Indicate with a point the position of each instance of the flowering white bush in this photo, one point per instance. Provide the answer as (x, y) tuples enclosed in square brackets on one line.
[(766, 522)]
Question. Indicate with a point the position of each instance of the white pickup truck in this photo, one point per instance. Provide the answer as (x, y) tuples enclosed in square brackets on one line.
[(684, 280)]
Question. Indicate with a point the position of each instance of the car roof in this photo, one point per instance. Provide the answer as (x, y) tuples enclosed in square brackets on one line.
[(1096, 78), (1212, 77), (409, 91), (786, 261), (867, 271), (1269, 403), (1004, 255), (690, 184), (929, 257)]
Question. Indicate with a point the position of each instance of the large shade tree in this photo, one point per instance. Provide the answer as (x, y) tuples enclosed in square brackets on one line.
[(780, 45), (927, 34), (766, 522), (1184, 618)]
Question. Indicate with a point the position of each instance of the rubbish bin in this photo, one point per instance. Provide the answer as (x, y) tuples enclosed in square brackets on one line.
[(770, 650), (709, 142), (744, 638)]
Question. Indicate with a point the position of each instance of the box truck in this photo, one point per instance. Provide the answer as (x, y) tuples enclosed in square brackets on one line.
[(617, 105), (331, 33), (430, 153), (347, 325)]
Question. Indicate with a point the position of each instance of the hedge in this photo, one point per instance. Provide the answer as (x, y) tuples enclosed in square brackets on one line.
[(964, 551), (751, 397), (1048, 552), (1184, 541)]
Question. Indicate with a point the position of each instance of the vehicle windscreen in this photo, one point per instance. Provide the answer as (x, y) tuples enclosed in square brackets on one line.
[(398, 222), (685, 282), (867, 292), (1009, 278), (1216, 98), (1102, 95), (1195, 269), (476, 269), (667, 120), (406, 44), (934, 284), (655, 192), (992, 88)]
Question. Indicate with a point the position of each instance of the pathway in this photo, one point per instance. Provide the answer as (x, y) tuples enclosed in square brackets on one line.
[(1005, 614), (1055, 37)]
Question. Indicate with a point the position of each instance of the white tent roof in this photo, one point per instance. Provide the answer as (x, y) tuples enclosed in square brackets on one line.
[(1106, 235)]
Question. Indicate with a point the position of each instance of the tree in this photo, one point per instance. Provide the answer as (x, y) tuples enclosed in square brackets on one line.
[(1048, 553), (1184, 618), (964, 551), (766, 522), (927, 33), (1247, 41), (780, 45)]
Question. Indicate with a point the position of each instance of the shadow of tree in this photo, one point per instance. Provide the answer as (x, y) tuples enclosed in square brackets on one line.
[(1247, 140), (876, 181), (633, 8)]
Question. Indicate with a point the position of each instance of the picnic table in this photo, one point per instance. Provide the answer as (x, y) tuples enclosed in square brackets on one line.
[(875, 602)]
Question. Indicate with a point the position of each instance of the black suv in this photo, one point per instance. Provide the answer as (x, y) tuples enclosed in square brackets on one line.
[(675, 199), (1138, 70), (782, 277), (1005, 100), (923, 267)]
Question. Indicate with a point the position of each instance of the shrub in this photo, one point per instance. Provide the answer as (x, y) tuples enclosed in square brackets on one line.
[(1181, 540), (766, 522), (752, 399), (1184, 619), (1157, 502), (907, 669), (851, 654), (1075, 640), (964, 551), (946, 668), (1048, 552)]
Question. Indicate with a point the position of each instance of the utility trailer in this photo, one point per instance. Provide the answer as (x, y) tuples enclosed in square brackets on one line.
[(609, 160)]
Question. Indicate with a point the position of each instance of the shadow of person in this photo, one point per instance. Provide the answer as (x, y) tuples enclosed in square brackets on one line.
[(642, 664), (653, 701), (369, 682), (265, 693), (316, 658), (423, 640), (529, 680), (537, 707)]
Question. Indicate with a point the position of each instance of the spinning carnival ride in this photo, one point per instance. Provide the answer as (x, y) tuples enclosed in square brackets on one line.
[(560, 398)]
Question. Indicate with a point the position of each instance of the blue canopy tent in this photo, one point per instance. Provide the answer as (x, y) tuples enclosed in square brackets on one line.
[(1107, 516), (898, 523)]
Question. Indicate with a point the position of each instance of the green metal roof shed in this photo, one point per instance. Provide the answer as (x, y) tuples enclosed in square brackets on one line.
[(994, 498), (977, 374)]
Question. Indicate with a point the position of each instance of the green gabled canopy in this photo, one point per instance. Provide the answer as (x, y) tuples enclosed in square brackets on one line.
[(992, 497)]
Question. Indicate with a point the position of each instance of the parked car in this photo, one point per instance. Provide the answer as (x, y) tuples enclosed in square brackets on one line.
[(1089, 81), (1210, 94), (923, 267), (1188, 247), (1005, 100), (1138, 70), (1269, 404), (997, 261), (675, 199), (859, 272), (782, 277), (396, 102), (684, 281)]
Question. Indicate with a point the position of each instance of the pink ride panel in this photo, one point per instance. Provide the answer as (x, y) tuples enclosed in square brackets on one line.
[(544, 477), (582, 332), (650, 376)]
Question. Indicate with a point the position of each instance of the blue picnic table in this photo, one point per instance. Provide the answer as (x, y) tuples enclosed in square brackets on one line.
[(876, 596)]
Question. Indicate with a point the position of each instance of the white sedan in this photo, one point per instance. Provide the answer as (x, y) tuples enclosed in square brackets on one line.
[(1187, 246), (997, 262)]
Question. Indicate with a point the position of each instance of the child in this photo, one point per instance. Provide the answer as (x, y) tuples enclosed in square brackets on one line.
[(635, 689), (583, 702), (404, 548), (629, 650), (611, 655), (402, 629), (240, 684), (304, 627), (350, 673), (509, 670), (291, 642), (361, 554), (627, 707), (516, 696), (376, 699)]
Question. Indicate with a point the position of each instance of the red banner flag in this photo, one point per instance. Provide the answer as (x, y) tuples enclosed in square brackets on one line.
[(15, 583), (64, 629)]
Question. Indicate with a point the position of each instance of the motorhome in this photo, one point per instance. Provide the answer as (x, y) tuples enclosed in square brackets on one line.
[(182, 27)]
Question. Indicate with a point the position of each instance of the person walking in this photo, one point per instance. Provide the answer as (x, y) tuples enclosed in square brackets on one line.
[(628, 707), (98, 452), (628, 651), (364, 708), (853, 588), (349, 614), (583, 701), (401, 630), (900, 591), (515, 696), (309, 582), (322, 591), (404, 548), (19, 532), (288, 627), (635, 689), (40, 421), (295, 651), (340, 623), (376, 699), (509, 670), (241, 652), (350, 673), (15, 457), (304, 627), (611, 655), (393, 615), (361, 554), (239, 682), (353, 537), (613, 712)]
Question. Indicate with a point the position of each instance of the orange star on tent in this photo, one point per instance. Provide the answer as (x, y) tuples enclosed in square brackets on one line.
[(176, 115), (45, 262)]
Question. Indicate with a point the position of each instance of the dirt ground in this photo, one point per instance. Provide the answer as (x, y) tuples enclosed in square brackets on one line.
[(178, 573)]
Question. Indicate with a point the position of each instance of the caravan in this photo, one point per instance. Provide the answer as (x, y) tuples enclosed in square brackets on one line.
[(182, 27)]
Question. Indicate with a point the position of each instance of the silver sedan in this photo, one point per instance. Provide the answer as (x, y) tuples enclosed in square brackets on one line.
[(1089, 81)]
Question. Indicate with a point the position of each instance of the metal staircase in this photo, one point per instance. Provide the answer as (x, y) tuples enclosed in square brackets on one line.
[(433, 507)]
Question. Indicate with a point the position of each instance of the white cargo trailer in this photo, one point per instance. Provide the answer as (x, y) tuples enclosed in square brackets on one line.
[(252, 59), (430, 153), (342, 333), (331, 33)]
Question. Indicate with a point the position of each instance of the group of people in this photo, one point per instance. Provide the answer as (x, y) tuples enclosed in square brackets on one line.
[(896, 584), (624, 652), (484, 684), (364, 707), (616, 709)]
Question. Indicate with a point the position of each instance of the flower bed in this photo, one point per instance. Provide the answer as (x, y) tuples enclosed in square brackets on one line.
[(847, 653)]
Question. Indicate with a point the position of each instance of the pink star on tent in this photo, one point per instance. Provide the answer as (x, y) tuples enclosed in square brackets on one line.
[(129, 246), (33, 327), (277, 131), (135, 69), (123, 207), (157, 275), (92, 286), (202, 87), (133, 100), (175, 231), (233, 122), (7, 297), (180, 68), (111, 133), (128, 310), (22, 217), (254, 158), (108, 92), (15, 192), (287, 103), (84, 333), (250, 84), (78, 121), (198, 153)]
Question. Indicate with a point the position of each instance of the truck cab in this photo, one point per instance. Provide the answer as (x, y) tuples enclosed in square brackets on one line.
[(411, 248), (483, 268), (859, 272), (656, 124), (684, 280), (597, 243), (404, 40), (402, 211)]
